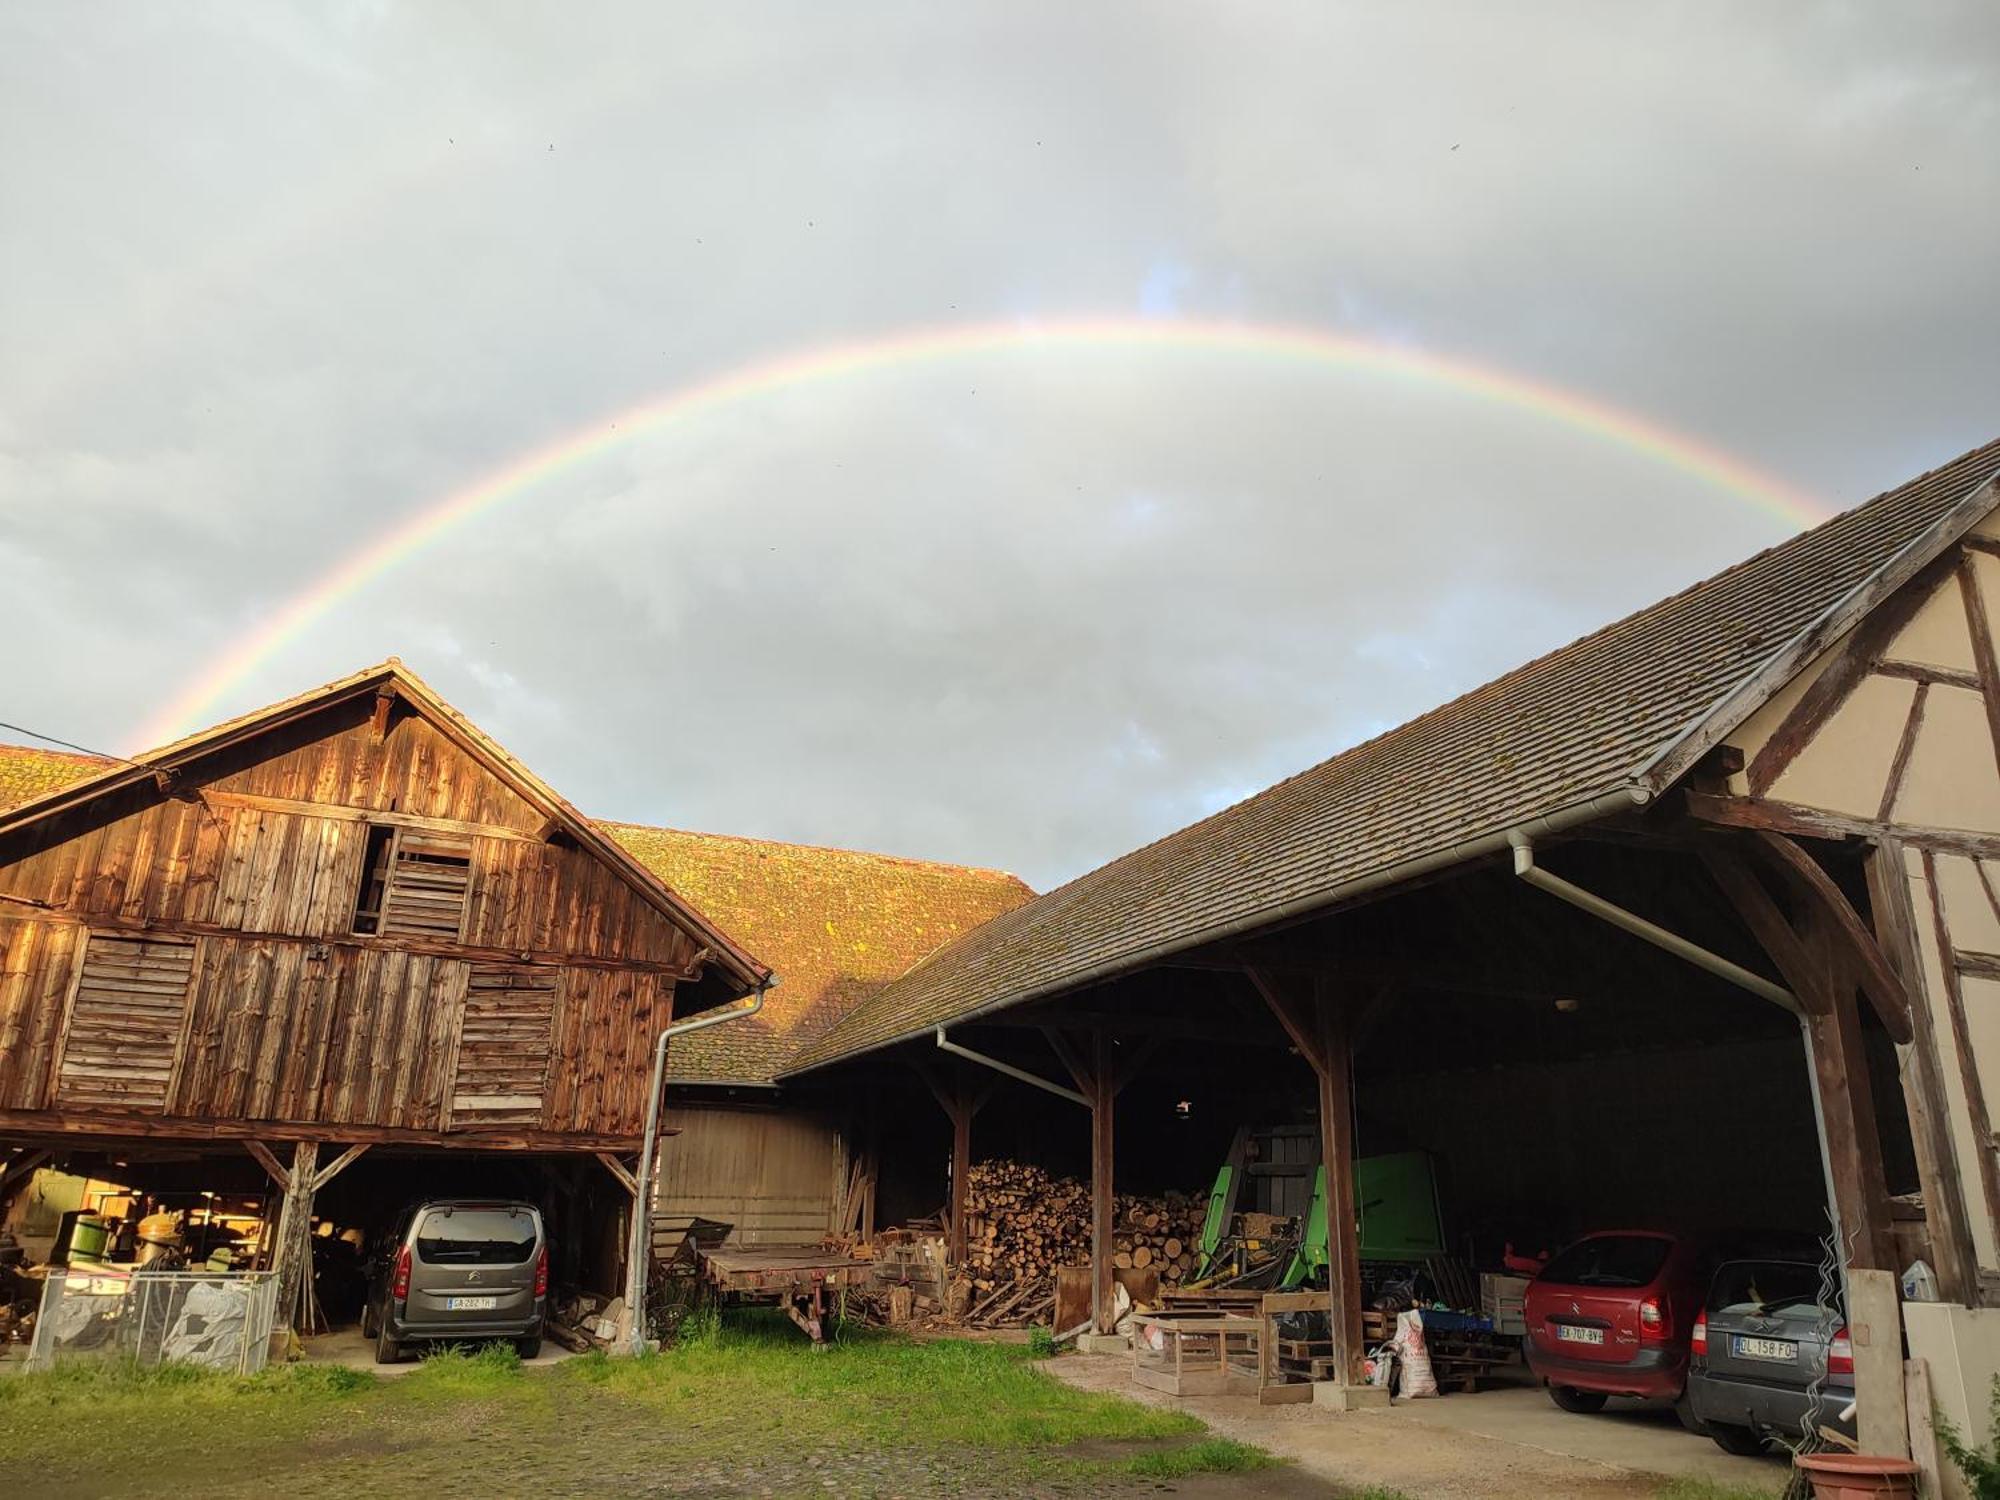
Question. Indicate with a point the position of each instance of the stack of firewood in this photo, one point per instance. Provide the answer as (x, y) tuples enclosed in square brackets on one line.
[(1022, 1223)]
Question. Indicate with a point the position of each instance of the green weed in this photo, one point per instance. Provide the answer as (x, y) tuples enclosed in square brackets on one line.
[(1708, 1489), (1210, 1456)]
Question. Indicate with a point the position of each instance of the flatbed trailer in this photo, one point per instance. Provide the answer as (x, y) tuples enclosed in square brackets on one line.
[(797, 1277)]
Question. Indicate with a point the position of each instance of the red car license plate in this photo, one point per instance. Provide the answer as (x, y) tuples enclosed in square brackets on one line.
[(1576, 1333)]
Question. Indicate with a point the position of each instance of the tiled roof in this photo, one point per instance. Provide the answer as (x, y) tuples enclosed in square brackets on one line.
[(27, 773), (835, 924), (1583, 721)]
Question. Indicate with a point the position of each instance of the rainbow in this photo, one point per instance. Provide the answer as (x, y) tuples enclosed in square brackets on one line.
[(425, 526)]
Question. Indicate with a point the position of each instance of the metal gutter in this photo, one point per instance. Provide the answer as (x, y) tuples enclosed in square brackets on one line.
[(637, 1256), (1010, 1070), (1623, 799)]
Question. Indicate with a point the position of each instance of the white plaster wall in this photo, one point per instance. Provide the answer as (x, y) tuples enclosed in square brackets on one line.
[(1846, 766)]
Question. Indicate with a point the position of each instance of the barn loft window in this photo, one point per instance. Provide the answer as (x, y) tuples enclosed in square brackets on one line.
[(413, 883)]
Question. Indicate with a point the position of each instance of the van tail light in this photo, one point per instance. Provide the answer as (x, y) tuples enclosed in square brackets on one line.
[(399, 1284), (542, 1272), (1840, 1355), (1652, 1320), (1698, 1340)]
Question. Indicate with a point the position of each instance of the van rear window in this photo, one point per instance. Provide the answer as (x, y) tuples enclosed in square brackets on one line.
[(1617, 1260), (476, 1237), (1767, 1286)]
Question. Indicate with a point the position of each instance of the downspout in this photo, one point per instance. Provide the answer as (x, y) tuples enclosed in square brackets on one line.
[(636, 1251), (1701, 958), (1034, 1079)]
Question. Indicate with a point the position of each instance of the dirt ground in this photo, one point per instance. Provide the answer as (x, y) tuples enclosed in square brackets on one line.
[(1490, 1447)]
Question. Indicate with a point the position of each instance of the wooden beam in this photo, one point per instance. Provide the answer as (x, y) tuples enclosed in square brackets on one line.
[(1929, 676), (1882, 985), (378, 721), (292, 1247), (62, 1125), (1851, 662), (1924, 1099), (273, 1168), (1814, 823), (1130, 1064), (1970, 1080), (340, 1164), (1293, 1010), (627, 1178), (1103, 1098), (1807, 956), (1892, 786), (19, 1167), (1072, 1060), (1336, 1135)]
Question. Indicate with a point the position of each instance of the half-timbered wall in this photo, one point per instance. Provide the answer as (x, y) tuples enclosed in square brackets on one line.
[(1894, 735), (344, 925)]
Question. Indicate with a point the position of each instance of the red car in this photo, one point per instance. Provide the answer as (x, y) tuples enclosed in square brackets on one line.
[(1612, 1316)]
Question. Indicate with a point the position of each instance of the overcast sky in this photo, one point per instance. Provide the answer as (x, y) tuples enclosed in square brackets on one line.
[(274, 278)]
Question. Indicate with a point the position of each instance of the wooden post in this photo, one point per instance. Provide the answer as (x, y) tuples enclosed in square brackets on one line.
[(291, 1247), (960, 1101), (1950, 1231), (1320, 1026), (1336, 1146), (1102, 1099)]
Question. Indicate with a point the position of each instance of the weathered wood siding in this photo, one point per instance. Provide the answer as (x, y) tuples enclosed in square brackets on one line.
[(190, 954), (773, 1175)]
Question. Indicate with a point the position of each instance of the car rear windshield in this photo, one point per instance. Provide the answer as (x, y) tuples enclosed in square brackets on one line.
[(476, 1236), (1769, 1286), (1626, 1260)]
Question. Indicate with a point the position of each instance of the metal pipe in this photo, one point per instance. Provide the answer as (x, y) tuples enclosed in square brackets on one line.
[(1622, 799), (1715, 963), (1638, 926), (636, 1251), (1010, 1070)]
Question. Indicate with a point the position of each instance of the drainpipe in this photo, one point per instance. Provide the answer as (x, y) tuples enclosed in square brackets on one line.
[(1701, 958), (1638, 926), (636, 1251), (1010, 1070)]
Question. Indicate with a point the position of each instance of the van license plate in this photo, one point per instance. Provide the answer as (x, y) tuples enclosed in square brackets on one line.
[(470, 1304), (1577, 1334), (1745, 1348)]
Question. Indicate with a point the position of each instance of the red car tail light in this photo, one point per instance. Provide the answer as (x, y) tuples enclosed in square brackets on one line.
[(1698, 1340), (1652, 1320), (542, 1272), (1840, 1354), (399, 1284)]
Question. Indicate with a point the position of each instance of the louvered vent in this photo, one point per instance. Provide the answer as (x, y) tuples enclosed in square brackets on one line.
[(131, 1004), (503, 1045)]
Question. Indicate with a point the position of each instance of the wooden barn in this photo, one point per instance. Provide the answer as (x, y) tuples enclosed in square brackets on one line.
[(349, 923)]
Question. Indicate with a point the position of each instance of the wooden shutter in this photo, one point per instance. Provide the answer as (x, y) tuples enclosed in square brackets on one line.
[(503, 1045), (125, 1023), (429, 875)]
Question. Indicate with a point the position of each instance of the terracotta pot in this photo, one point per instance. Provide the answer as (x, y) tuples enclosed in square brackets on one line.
[(1859, 1476)]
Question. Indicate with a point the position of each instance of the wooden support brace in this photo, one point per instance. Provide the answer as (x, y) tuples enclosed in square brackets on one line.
[(340, 1164), (627, 1178), (19, 1166), (273, 1168), (1880, 982)]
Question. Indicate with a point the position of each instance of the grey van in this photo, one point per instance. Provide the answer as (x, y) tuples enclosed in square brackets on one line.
[(460, 1269)]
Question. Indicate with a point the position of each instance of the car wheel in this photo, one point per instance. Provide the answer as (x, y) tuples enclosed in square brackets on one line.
[(368, 1324), (1569, 1398), (1744, 1442), (1684, 1409), (387, 1350), (528, 1348)]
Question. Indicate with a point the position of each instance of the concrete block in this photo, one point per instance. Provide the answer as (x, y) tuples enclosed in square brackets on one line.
[(1334, 1395), (1103, 1343)]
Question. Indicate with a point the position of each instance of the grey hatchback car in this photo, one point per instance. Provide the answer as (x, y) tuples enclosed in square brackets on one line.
[(1770, 1358), (460, 1268)]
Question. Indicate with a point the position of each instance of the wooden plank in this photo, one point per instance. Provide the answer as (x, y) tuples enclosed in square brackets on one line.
[(276, 1170), (1979, 623), (1892, 787), (1879, 982)]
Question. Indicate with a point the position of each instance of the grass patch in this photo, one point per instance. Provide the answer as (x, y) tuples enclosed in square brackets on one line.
[(1209, 1456), (1708, 1489), (872, 1412)]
